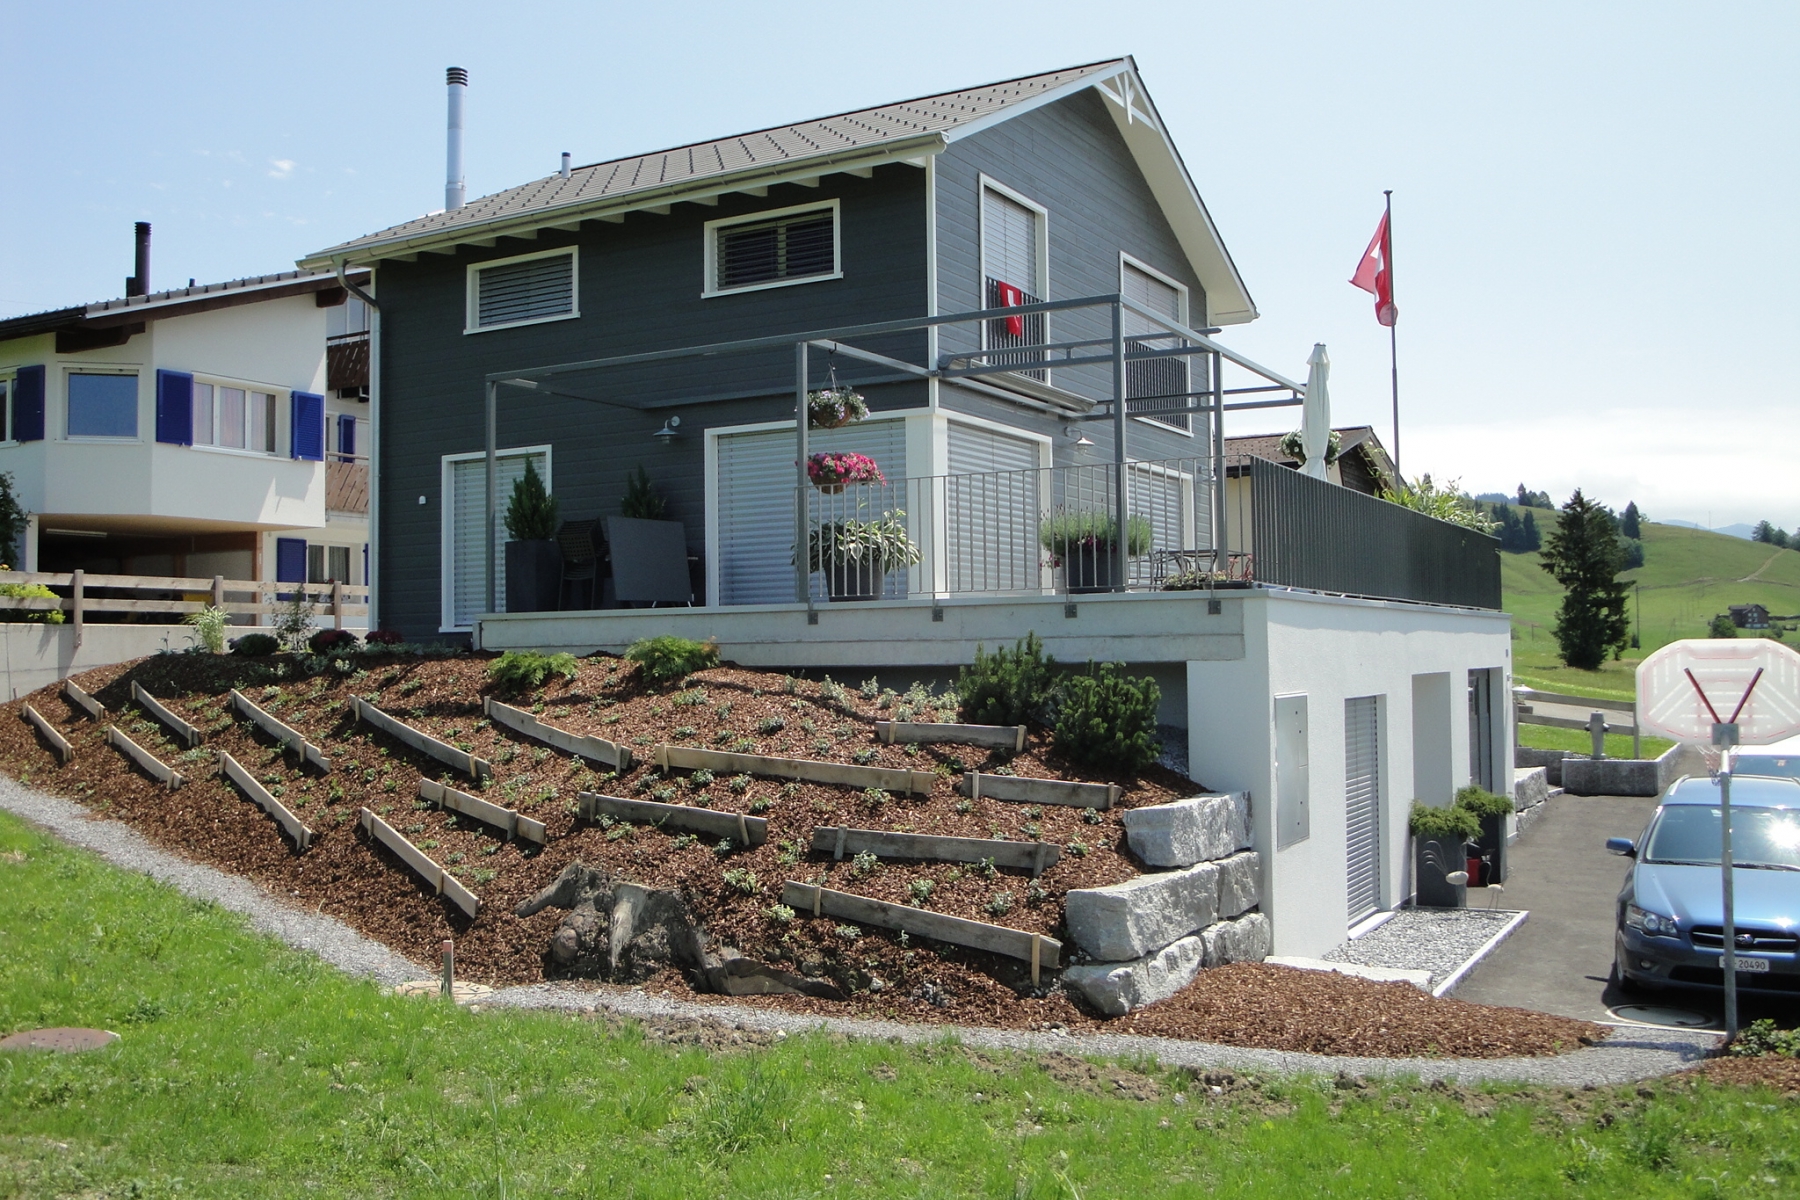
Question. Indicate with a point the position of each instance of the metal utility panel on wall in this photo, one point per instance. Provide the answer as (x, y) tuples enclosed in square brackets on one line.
[(1293, 772)]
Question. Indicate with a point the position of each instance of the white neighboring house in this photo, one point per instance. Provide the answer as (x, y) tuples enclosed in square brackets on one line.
[(213, 430)]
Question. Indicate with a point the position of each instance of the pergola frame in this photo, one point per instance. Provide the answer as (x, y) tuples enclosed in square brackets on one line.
[(1199, 344)]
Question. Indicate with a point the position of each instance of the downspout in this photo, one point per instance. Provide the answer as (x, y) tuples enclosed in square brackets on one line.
[(374, 572)]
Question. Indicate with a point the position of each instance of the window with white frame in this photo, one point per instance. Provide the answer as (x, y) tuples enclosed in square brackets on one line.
[(773, 249), (464, 523), (327, 564), (1014, 266), (1154, 387), (234, 417), (103, 404), (522, 290)]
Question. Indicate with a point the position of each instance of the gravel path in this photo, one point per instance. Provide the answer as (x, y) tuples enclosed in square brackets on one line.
[(1439, 940), (1630, 1054)]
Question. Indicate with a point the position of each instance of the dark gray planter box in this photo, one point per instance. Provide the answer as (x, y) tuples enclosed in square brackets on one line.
[(1491, 845), (533, 575), (1433, 859)]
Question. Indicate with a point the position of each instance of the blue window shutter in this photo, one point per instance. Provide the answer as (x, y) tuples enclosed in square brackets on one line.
[(175, 408), (346, 433), (28, 405), (308, 434), (290, 560)]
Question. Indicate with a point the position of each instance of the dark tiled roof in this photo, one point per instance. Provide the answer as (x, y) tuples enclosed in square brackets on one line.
[(168, 302)]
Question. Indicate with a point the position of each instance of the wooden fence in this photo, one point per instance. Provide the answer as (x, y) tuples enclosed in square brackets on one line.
[(158, 595), (1620, 715)]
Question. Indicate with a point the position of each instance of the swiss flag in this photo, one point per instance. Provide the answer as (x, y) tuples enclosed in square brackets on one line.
[(1375, 273), (1011, 297)]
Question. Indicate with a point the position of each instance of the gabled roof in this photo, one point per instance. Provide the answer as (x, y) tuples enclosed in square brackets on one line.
[(907, 131), (1350, 437), (176, 302)]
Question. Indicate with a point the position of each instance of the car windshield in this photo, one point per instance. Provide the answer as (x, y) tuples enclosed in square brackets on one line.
[(1760, 837), (1766, 764)]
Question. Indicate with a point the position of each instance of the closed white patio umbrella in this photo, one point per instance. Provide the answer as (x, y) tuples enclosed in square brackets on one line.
[(1315, 425)]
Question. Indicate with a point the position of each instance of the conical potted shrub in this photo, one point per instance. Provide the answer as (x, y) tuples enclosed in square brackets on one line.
[(1082, 543), (1491, 810), (1440, 860), (856, 556), (533, 562)]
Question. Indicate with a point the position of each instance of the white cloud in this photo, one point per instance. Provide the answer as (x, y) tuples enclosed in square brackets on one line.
[(281, 168), (1685, 465)]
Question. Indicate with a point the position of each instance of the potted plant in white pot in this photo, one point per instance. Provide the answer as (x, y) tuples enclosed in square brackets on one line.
[(533, 562), (856, 556), (1082, 543)]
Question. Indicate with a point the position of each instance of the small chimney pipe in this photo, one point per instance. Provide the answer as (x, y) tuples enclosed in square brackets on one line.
[(139, 284), (457, 80), (565, 165)]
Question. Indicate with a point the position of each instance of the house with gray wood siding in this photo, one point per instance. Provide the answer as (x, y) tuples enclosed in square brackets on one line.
[(1024, 283)]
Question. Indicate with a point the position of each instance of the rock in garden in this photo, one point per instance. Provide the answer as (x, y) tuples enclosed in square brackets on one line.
[(1530, 788), (1117, 988), (1189, 831), (616, 930), (1246, 939), (1128, 920), (1240, 884)]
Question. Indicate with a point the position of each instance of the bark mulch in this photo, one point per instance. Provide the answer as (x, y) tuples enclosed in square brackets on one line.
[(756, 712), (1771, 1071)]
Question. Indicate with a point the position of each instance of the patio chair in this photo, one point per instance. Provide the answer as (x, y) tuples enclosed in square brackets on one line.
[(580, 561), (649, 561)]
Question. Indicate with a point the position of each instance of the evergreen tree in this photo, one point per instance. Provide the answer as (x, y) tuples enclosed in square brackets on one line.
[(1511, 531), (13, 520), (1524, 497), (1584, 555), (531, 513), (1628, 524), (1773, 534), (1533, 539)]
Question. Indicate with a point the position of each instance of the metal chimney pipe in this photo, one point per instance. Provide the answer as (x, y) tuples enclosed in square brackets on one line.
[(458, 81), (565, 165), (139, 284)]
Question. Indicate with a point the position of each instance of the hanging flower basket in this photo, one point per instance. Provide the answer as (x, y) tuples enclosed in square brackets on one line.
[(830, 472), (834, 407)]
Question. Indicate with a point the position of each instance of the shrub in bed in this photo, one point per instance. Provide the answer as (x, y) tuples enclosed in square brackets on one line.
[(385, 637), (1438, 824), (255, 645), (1107, 720), (526, 670), (666, 658), (331, 641), (1483, 803), (1007, 687)]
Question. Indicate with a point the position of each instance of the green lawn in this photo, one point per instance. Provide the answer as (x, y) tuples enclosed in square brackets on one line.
[(1618, 745), (1688, 576), (250, 1070)]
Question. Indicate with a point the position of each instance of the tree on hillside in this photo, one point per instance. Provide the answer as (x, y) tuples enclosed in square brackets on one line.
[(1530, 499), (1765, 532), (1628, 523), (1533, 539), (1585, 556), (1722, 627)]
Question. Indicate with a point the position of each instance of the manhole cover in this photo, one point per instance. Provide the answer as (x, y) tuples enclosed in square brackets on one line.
[(465, 993), (1657, 1014), (68, 1040)]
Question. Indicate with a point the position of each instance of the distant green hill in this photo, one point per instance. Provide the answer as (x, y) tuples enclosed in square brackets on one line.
[(1688, 576)]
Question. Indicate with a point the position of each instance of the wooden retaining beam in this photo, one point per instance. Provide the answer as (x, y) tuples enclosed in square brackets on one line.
[(1034, 948), (170, 777), (445, 883), (287, 735), (184, 730), (514, 823), (1004, 737), (57, 741), (462, 760), (1024, 790), (749, 831), (1035, 857), (888, 779), (265, 800), (595, 749), (83, 701)]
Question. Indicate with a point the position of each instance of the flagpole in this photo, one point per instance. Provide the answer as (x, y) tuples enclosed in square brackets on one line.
[(1393, 344)]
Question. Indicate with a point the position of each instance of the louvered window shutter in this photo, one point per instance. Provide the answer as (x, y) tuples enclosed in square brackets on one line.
[(28, 405), (175, 408), (307, 437), (290, 560), (525, 291), (346, 433), (792, 248)]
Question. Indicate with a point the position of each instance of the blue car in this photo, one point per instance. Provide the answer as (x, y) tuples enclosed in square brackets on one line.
[(1671, 913)]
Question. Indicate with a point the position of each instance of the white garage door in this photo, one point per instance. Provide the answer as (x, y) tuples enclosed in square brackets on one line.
[(1362, 804)]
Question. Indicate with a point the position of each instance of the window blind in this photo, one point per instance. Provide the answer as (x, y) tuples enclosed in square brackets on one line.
[(791, 248), (525, 291), (466, 514), (992, 509), (1009, 242), (1161, 377)]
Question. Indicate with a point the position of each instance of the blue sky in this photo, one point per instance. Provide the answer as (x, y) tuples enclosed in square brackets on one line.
[(1596, 244)]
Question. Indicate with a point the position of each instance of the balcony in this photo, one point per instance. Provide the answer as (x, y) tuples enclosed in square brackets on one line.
[(347, 484)]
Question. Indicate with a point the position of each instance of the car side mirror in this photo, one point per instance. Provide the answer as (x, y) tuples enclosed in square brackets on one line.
[(1624, 846)]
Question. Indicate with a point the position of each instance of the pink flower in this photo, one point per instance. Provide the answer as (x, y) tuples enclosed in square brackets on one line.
[(843, 468)]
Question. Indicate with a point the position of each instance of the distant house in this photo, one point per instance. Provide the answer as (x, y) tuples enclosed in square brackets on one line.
[(1749, 616), (209, 430), (1362, 463)]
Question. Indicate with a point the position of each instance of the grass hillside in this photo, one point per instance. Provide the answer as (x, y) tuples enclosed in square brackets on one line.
[(1688, 576)]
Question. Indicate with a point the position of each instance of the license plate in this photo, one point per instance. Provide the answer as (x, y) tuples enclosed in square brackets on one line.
[(1752, 966)]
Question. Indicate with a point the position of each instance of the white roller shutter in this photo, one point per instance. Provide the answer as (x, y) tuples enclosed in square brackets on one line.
[(465, 515), (755, 515), (1009, 242), (1157, 377), (991, 502), (1362, 805)]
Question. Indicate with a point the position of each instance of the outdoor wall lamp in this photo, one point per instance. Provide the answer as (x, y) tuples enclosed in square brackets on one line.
[(669, 431)]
